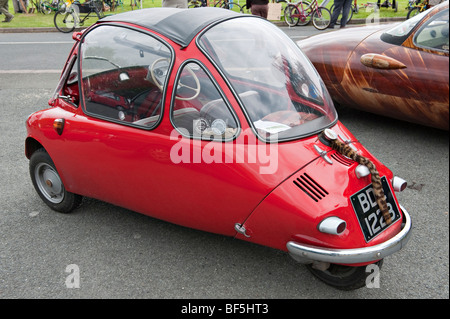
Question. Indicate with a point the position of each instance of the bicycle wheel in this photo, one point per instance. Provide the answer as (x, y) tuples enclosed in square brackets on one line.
[(233, 5), (46, 7), (244, 9), (350, 13), (413, 12), (321, 18), (291, 15), (65, 21), (100, 14)]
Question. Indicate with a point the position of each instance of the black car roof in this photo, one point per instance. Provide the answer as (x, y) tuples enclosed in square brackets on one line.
[(179, 25)]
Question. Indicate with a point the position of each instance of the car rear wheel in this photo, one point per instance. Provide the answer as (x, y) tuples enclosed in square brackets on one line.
[(49, 185), (344, 277)]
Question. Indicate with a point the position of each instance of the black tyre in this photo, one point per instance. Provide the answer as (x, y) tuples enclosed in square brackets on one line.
[(49, 185), (343, 277), (65, 21)]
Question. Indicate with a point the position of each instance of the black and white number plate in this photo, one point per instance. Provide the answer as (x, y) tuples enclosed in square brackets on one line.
[(369, 216)]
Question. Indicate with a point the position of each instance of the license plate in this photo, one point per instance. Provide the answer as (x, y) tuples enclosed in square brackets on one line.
[(369, 216)]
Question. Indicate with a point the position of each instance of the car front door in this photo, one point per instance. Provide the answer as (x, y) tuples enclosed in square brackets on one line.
[(116, 92)]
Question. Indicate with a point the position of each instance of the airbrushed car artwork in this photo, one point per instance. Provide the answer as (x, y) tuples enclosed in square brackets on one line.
[(397, 70), (217, 121)]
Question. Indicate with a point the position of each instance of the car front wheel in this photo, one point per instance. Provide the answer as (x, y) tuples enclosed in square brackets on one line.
[(49, 185)]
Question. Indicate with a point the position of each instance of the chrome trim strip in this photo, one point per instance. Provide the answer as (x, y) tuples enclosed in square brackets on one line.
[(307, 253)]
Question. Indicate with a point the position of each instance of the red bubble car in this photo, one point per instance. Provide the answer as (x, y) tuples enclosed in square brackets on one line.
[(217, 121)]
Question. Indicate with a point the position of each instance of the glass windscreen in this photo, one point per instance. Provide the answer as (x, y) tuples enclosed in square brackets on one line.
[(279, 89)]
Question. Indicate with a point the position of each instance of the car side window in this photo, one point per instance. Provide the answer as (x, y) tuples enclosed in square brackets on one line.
[(199, 110), (435, 33), (123, 77)]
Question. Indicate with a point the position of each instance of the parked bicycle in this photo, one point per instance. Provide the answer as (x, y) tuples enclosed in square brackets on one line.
[(420, 6), (302, 12), (76, 14), (47, 7), (224, 4)]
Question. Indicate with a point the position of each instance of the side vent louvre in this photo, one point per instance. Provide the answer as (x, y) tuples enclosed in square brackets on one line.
[(310, 187), (342, 159)]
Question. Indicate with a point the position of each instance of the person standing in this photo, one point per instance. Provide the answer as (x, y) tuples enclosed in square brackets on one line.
[(258, 7), (4, 10), (340, 5)]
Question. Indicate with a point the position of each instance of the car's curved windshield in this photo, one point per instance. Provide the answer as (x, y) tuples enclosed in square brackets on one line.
[(281, 93)]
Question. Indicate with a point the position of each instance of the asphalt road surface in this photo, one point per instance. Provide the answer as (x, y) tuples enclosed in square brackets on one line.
[(103, 251)]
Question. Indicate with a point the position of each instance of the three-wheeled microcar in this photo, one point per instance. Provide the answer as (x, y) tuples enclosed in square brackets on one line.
[(215, 120)]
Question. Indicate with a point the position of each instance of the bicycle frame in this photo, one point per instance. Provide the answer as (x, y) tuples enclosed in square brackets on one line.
[(423, 5), (303, 11)]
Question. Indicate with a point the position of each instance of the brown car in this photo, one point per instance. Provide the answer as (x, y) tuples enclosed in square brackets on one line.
[(397, 70)]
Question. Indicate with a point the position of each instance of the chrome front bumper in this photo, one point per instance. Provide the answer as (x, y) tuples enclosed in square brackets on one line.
[(304, 253)]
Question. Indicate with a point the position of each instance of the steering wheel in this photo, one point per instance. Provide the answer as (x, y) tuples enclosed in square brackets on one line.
[(158, 74)]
